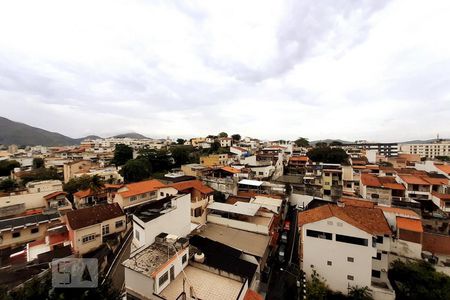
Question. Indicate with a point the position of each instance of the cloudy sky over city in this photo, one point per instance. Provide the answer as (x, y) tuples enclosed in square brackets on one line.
[(375, 70)]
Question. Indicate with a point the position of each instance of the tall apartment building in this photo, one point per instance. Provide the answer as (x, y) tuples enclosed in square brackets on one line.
[(430, 150), (385, 149)]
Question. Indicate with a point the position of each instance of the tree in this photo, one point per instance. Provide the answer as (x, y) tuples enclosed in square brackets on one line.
[(316, 288), (336, 143), (321, 145), (223, 134), (77, 184), (181, 141), (360, 293), (236, 137), (41, 174), (215, 146), (135, 170), (180, 154), (38, 163), (443, 158), (8, 185), (301, 142), (157, 160), (96, 184), (418, 280), (6, 166), (328, 155), (122, 154)]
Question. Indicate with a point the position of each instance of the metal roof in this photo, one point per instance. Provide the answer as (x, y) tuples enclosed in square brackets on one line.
[(251, 182)]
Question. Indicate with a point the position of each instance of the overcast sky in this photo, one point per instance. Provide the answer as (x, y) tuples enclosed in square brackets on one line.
[(375, 70)]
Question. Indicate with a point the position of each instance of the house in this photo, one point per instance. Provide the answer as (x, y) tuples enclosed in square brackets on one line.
[(297, 164), (416, 187), (138, 193), (76, 167), (214, 160), (382, 189), (195, 170), (169, 214), (44, 186), (225, 142), (239, 151), (195, 142), (106, 194), (18, 231), (360, 240), (441, 200), (201, 195), (56, 238), (88, 227)]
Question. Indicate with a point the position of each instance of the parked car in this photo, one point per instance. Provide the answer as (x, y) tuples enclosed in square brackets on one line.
[(282, 253), (284, 237), (287, 225)]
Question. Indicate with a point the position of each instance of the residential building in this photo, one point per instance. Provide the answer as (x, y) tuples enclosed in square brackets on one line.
[(201, 195), (382, 189), (44, 186), (214, 160), (88, 227), (441, 200), (225, 142), (195, 142), (385, 149), (139, 193), (106, 194), (195, 170), (430, 150), (77, 167), (297, 164), (360, 239), (169, 214)]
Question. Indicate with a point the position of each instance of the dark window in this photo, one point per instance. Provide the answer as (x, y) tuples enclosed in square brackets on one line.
[(329, 263), (119, 224), (375, 196), (16, 234), (327, 192), (184, 259), (163, 278), (198, 212), (351, 240), (350, 259), (350, 277), (319, 234), (35, 230), (378, 257), (379, 239), (376, 274)]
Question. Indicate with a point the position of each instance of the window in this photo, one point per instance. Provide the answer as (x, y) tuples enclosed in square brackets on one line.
[(350, 259), (378, 257), (143, 196), (184, 259), (379, 239), (376, 274), (330, 222), (327, 192), (161, 194), (105, 229), (88, 238), (350, 277), (198, 212), (375, 196), (163, 278), (319, 234), (133, 198), (119, 224), (136, 234), (35, 230), (329, 263), (340, 224), (351, 240), (16, 234)]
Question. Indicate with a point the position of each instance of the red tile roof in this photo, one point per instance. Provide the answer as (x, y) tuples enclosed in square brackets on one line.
[(192, 184), (299, 158), (381, 182), (399, 211), (252, 295), (444, 168), (231, 170), (370, 220), (357, 202), (85, 217), (142, 187), (409, 224), (412, 179), (435, 181), (444, 197), (436, 243), (83, 193), (54, 194)]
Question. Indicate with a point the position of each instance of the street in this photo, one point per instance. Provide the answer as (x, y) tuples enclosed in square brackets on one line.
[(117, 272)]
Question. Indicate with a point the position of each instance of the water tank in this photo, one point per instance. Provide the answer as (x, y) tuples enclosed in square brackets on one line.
[(199, 257)]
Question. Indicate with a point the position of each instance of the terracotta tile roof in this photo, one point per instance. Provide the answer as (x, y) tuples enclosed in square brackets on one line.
[(231, 170), (85, 217), (381, 182), (413, 179), (54, 194), (252, 295), (83, 193), (192, 184), (399, 211), (298, 158), (436, 243), (142, 187), (435, 181), (444, 168), (444, 197), (370, 220), (113, 186), (239, 148), (356, 202), (409, 224)]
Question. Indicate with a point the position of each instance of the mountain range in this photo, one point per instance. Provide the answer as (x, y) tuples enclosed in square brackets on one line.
[(22, 134)]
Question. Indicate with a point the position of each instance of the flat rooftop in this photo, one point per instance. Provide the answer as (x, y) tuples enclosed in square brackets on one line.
[(154, 209), (206, 285), (248, 242), (150, 259)]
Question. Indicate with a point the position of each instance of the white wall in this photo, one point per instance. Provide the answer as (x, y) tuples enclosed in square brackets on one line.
[(138, 283), (317, 252), (302, 200)]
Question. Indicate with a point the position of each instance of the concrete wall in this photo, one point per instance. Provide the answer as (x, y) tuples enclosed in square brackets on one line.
[(216, 219)]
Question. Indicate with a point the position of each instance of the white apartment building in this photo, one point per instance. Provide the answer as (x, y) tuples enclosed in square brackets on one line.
[(347, 246), (430, 150), (170, 214)]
